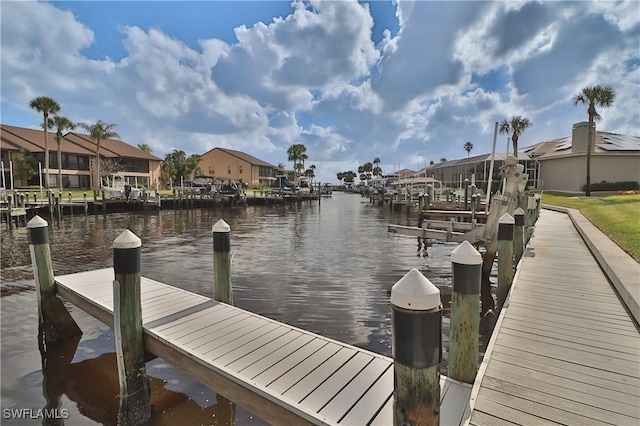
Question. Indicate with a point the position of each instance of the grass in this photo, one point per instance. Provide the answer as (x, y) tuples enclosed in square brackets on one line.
[(618, 216)]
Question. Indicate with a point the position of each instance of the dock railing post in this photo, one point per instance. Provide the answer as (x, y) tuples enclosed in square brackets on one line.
[(135, 407), (466, 265), (518, 235), (417, 350), (505, 257), (9, 208), (86, 206), (104, 203), (222, 290), (54, 321)]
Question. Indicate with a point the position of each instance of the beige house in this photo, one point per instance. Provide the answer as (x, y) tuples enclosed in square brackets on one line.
[(77, 159), (228, 163), (563, 162)]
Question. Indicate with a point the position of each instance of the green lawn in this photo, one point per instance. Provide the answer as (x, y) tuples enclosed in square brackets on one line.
[(618, 216)]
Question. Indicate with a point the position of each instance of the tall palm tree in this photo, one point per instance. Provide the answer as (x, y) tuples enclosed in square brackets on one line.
[(145, 147), (62, 125), (296, 154), (99, 132), (515, 127), (468, 146), (46, 106), (377, 170), (600, 96)]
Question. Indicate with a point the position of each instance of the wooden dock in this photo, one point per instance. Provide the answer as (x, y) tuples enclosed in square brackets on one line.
[(280, 373), (565, 350)]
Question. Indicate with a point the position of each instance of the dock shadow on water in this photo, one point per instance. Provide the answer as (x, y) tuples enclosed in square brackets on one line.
[(325, 268)]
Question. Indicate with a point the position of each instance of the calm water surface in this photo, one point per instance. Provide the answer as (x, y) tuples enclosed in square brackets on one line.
[(327, 268)]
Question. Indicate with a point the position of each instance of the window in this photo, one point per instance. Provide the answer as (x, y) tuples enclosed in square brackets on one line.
[(240, 169), (229, 170), (212, 171)]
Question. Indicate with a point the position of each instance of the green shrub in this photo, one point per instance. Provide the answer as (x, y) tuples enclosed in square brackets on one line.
[(613, 186)]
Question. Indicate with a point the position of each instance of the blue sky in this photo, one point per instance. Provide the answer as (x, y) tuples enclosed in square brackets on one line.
[(408, 82)]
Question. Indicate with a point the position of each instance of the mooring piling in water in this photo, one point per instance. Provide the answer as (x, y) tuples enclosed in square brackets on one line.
[(135, 406), (417, 350), (466, 264), (222, 262), (518, 235), (54, 321), (505, 257)]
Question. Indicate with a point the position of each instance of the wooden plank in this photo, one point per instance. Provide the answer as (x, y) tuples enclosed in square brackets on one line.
[(342, 401), (201, 333), (562, 369), (247, 344), (217, 337), (213, 313), (385, 415), (523, 412), (181, 316), (624, 344), (367, 407), (565, 388), (269, 354), (563, 410), (299, 381), (295, 359), (452, 407), (614, 356), (484, 419), (178, 306)]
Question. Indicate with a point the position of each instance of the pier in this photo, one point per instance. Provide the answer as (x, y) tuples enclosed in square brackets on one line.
[(565, 349)]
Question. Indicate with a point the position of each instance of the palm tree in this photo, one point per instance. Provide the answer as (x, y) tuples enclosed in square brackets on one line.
[(46, 106), (296, 154), (468, 146), (62, 125), (377, 170), (145, 147), (515, 127), (600, 96), (99, 132)]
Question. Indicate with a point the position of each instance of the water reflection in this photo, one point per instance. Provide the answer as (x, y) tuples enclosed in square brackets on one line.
[(328, 269)]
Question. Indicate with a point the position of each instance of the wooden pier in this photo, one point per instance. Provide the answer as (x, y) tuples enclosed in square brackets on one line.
[(278, 372), (565, 350)]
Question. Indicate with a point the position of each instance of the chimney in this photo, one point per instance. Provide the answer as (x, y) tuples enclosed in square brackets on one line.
[(580, 135)]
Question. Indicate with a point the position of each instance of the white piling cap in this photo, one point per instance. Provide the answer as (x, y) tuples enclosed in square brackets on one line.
[(518, 212), (221, 226), (506, 219), (37, 222), (466, 254), (127, 240), (414, 291)]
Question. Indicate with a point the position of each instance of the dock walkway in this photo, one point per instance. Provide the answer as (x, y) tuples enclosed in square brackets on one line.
[(280, 373), (565, 349)]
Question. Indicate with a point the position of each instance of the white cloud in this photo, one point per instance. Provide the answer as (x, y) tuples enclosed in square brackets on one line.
[(316, 77)]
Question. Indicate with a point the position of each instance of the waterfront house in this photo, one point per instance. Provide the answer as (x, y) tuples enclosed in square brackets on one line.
[(77, 159), (239, 166), (555, 165)]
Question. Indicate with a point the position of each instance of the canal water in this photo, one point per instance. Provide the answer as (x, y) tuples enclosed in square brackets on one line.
[(324, 267)]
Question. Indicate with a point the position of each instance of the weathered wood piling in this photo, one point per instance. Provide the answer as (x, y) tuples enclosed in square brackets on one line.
[(505, 257), (465, 316), (518, 235), (417, 350), (135, 406), (222, 262), (54, 321)]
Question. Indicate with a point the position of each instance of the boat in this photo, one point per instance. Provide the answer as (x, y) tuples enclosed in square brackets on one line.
[(118, 187), (326, 190), (229, 188)]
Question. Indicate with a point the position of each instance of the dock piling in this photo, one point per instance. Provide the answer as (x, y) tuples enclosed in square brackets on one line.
[(417, 350), (54, 321), (135, 407), (518, 236), (466, 265), (505, 257), (222, 262)]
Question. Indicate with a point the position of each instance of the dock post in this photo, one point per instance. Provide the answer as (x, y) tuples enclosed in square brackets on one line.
[(95, 201), (518, 236), (54, 321), (86, 206), (466, 194), (505, 257), (466, 264), (135, 406), (222, 262), (9, 208), (417, 350), (104, 203)]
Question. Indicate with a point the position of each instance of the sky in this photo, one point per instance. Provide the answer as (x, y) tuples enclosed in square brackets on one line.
[(407, 82)]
